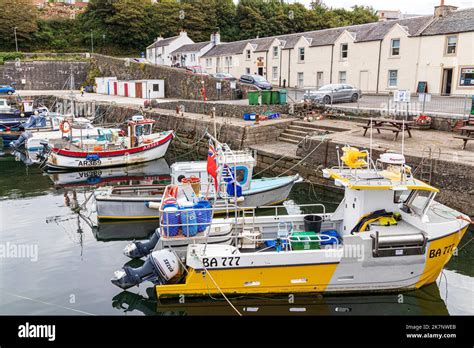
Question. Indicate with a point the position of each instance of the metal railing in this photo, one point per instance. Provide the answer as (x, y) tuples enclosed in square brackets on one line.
[(453, 106)]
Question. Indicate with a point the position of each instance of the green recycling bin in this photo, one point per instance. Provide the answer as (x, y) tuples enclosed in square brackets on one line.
[(266, 97), (282, 96), (253, 97), (472, 105), (275, 97)]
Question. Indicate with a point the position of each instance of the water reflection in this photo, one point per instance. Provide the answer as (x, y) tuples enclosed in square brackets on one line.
[(426, 301), (125, 230)]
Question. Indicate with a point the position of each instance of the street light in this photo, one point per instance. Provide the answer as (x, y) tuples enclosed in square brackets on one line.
[(16, 40), (92, 42)]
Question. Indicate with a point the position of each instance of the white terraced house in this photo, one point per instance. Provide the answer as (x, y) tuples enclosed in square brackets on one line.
[(376, 57), (159, 52)]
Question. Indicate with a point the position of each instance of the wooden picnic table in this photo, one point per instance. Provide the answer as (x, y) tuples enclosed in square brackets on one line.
[(396, 126), (467, 133)]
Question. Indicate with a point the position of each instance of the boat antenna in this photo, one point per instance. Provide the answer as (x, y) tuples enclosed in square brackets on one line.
[(370, 148), (403, 136)]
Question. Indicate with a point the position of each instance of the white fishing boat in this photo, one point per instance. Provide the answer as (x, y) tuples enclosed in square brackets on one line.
[(142, 201), (141, 145), (387, 234)]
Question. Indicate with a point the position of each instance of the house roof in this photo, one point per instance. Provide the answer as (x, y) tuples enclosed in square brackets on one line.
[(163, 42), (195, 47), (459, 21)]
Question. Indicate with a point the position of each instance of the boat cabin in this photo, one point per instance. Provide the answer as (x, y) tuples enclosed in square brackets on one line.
[(138, 127), (372, 188), (240, 163)]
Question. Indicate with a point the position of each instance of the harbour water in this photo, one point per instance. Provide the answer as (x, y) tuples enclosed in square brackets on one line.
[(52, 261)]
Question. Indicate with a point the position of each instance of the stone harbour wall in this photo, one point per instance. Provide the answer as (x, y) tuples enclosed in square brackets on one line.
[(224, 110), (191, 130), (43, 75)]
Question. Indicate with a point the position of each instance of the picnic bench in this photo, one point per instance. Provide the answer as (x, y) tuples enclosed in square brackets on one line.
[(467, 133), (396, 126)]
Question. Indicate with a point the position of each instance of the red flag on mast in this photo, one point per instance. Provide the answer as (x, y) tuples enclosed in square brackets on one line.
[(212, 163)]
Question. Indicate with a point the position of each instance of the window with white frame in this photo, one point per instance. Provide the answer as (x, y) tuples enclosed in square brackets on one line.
[(395, 47), (275, 51), (342, 77), (247, 54), (275, 73), (208, 62), (392, 78), (451, 43), (300, 81), (193, 57), (344, 51), (228, 61), (301, 54)]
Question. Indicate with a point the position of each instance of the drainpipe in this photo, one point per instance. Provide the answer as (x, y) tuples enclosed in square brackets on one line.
[(378, 67), (289, 63), (332, 58), (279, 69), (266, 65)]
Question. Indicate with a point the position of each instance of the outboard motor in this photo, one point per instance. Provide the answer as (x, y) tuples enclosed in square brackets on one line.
[(21, 140), (43, 154), (137, 250), (160, 267)]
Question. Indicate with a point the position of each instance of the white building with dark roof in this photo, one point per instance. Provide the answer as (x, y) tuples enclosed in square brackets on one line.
[(190, 54), (159, 52)]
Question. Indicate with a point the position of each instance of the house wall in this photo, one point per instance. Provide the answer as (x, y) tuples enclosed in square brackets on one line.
[(161, 55), (433, 60), (361, 64)]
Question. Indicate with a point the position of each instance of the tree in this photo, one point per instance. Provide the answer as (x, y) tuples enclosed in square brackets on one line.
[(21, 14), (128, 24)]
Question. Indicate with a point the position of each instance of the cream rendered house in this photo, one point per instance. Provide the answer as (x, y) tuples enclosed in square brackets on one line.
[(380, 57)]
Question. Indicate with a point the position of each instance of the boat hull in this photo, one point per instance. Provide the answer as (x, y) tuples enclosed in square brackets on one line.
[(122, 208), (345, 276), (71, 160)]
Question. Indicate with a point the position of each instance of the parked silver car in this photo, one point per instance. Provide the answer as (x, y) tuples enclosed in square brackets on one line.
[(332, 93)]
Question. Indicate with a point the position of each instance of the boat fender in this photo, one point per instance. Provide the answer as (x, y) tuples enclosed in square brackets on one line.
[(153, 205)]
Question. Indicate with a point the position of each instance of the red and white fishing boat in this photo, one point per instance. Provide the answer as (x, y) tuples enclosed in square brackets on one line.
[(141, 145)]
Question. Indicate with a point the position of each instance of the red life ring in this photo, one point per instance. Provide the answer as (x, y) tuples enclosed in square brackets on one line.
[(63, 128)]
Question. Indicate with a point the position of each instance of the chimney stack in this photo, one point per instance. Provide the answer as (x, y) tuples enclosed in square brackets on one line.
[(443, 10), (215, 38)]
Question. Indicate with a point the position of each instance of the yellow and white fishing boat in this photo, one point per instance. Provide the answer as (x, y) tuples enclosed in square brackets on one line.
[(387, 234)]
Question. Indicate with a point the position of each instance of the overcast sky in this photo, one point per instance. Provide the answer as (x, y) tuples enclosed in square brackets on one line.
[(406, 6)]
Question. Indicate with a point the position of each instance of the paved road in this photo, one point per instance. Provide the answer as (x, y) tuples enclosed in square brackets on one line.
[(438, 105)]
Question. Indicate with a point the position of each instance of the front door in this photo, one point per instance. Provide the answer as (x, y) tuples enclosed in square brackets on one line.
[(260, 71), (319, 79), (138, 90), (447, 81), (364, 81)]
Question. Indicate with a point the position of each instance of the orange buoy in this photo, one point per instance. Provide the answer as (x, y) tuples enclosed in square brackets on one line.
[(64, 128)]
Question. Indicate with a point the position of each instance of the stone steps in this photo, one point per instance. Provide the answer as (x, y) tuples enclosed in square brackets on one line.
[(286, 138), (315, 126), (292, 131)]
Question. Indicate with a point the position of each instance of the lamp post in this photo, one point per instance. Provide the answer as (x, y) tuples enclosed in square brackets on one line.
[(16, 40), (92, 42)]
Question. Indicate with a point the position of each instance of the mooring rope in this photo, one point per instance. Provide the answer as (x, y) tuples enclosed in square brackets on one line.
[(222, 293), (304, 158)]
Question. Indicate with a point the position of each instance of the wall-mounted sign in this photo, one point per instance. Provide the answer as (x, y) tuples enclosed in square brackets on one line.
[(233, 84), (218, 85)]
